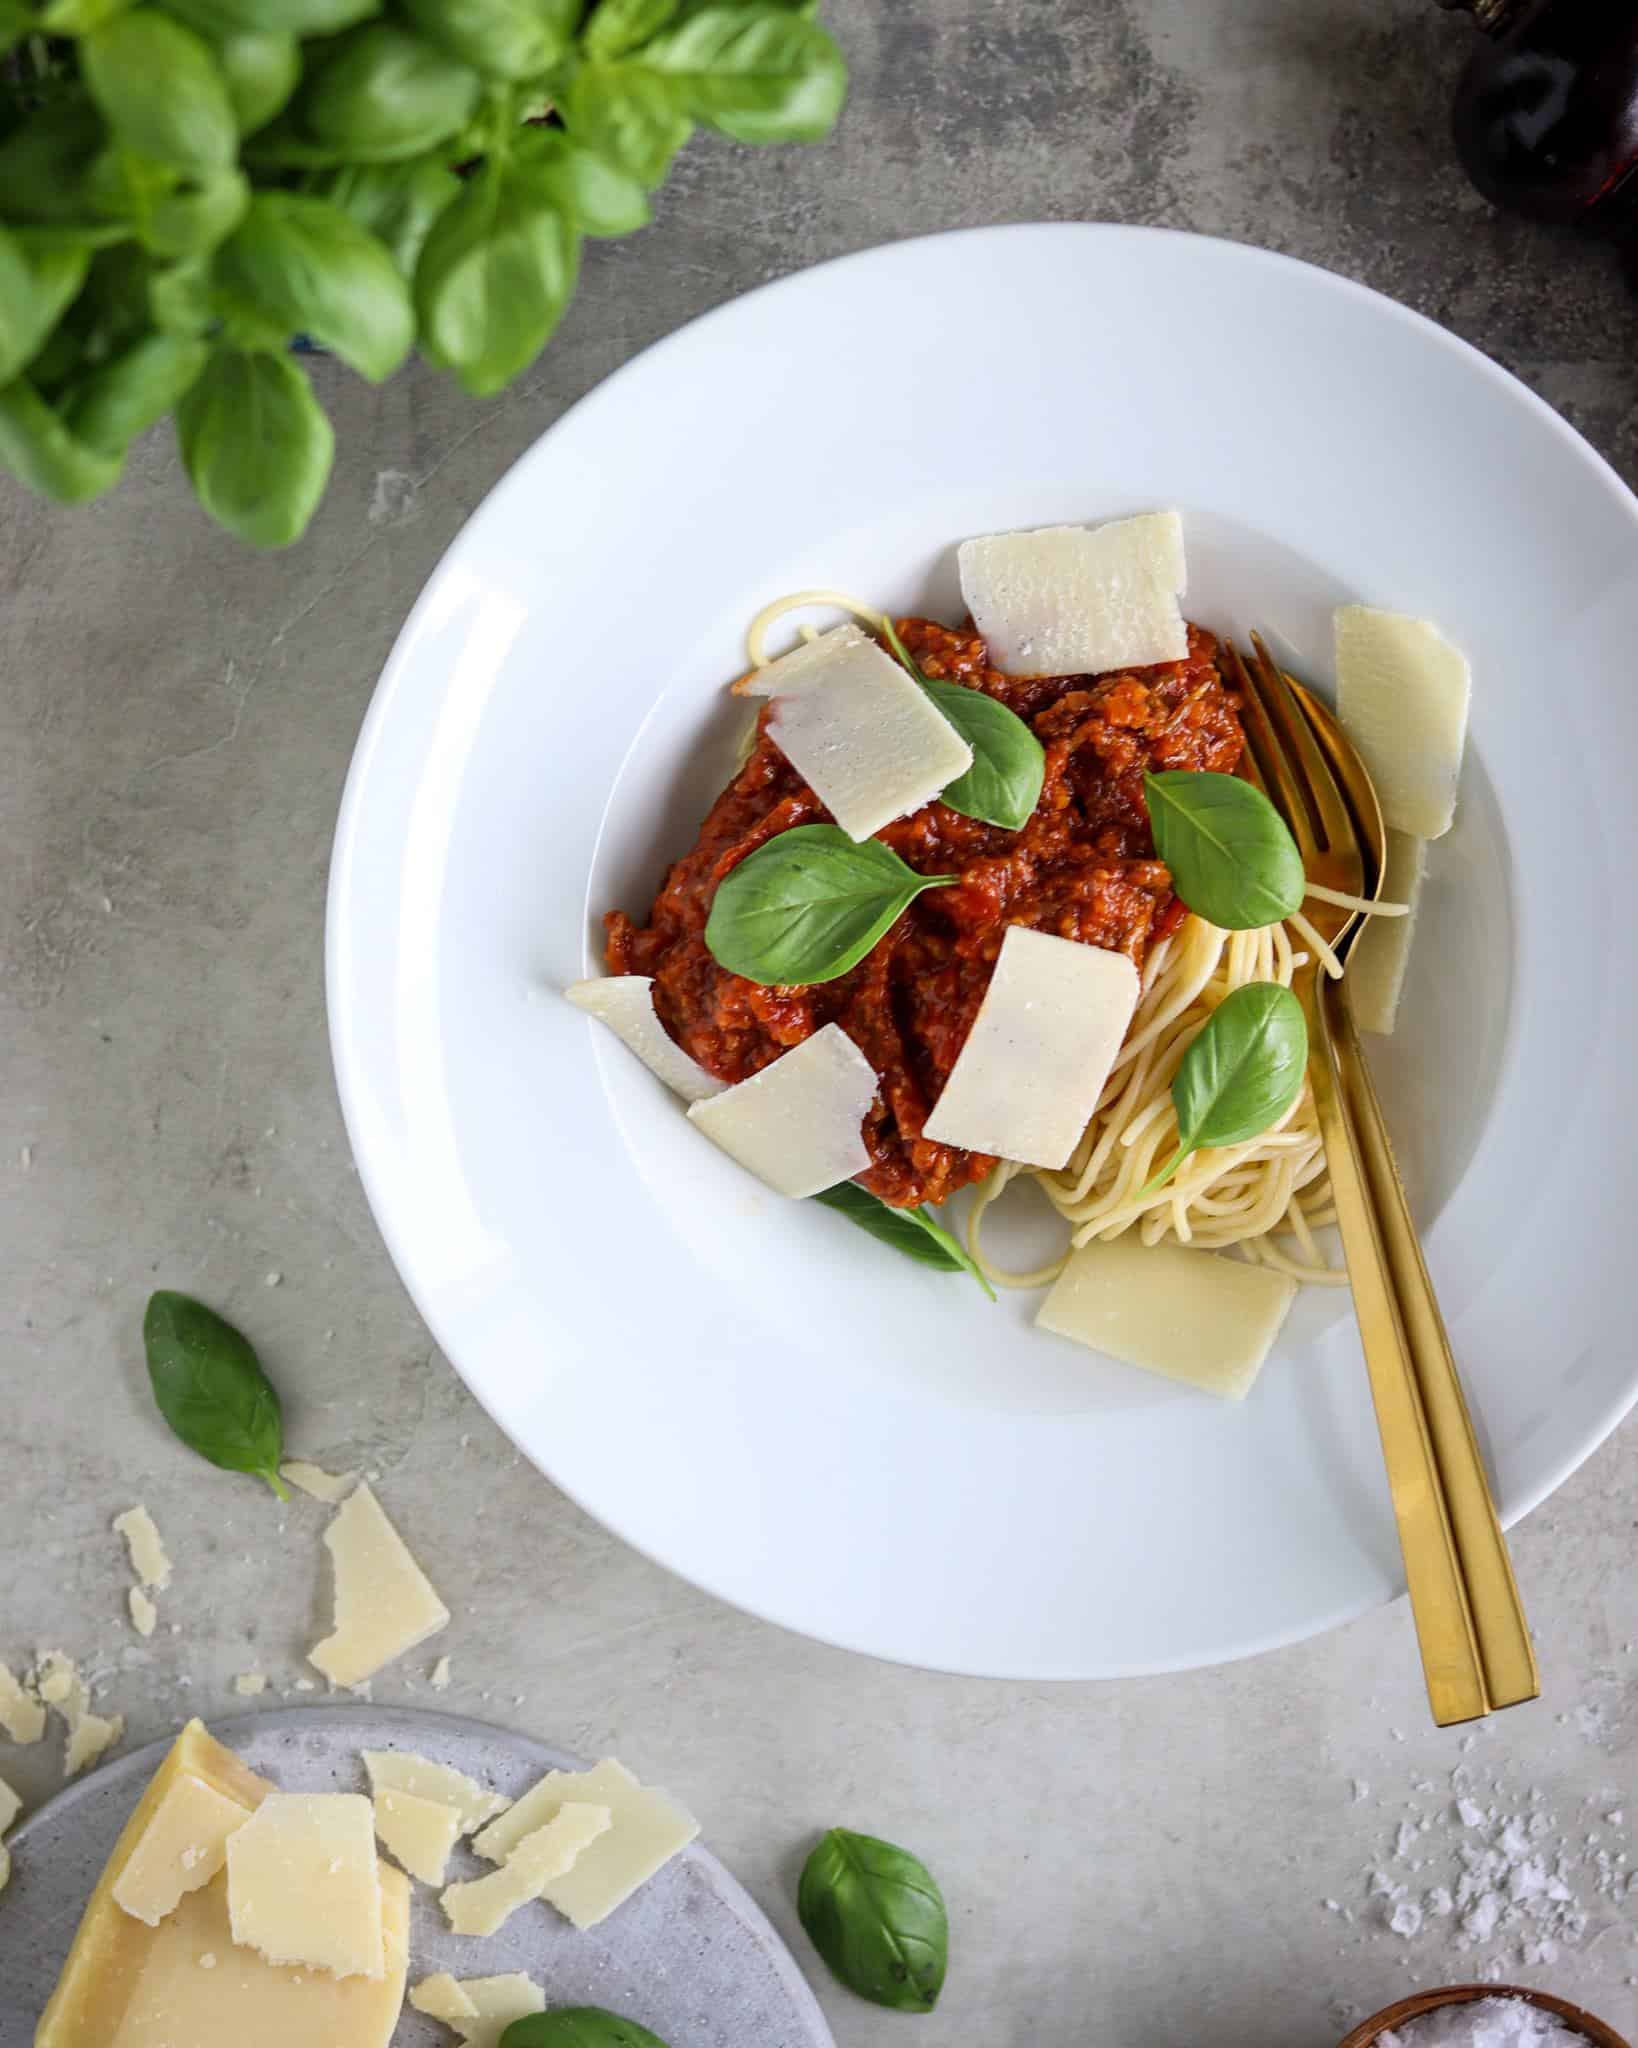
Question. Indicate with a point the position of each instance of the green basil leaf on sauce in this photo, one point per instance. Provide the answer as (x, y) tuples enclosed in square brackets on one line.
[(209, 1386), (876, 1915), (808, 905), (911, 1231), (1232, 860), (1003, 785), (1241, 1074)]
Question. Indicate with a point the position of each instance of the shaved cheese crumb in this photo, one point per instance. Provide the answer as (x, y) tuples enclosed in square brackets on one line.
[(249, 1683), (89, 1734), (625, 1003), (10, 1807), (864, 736), (330, 1487), (796, 1125), (1402, 696), (418, 1833), (400, 1770), (1028, 1078), (1380, 955), (144, 1614), (142, 1540), (21, 1715), (439, 1680), (1077, 600), (480, 2009), (385, 1605), (484, 1904)]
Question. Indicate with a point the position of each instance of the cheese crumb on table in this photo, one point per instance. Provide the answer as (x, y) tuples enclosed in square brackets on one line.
[(647, 1829), (89, 1734), (10, 1807), (181, 1847), (249, 1683), (304, 1884), (384, 1603), (331, 1487), (144, 1614), (419, 1833), (439, 1680), (142, 1540), (401, 1770), (21, 1714), (480, 2009), (482, 1905)]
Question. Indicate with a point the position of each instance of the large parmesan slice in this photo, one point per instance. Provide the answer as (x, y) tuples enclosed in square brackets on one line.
[(142, 1540), (796, 1125), (1402, 696), (400, 1770), (385, 1604), (304, 1885), (21, 1714), (484, 1904), (648, 1829), (418, 1833), (625, 1003), (1380, 954), (1028, 1078), (862, 734), (1077, 600), (1189, 1315), (480, 2009), (182, 1847)]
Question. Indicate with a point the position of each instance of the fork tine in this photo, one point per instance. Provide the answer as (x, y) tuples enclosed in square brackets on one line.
[(1268, 757), (1330, 806)]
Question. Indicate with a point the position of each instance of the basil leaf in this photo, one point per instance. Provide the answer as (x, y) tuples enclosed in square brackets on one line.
[(760, 74), (78, 17), (261, 68), (16, 21), (1241, 1073), (298, 265), (211, 1389), (44, 162), (631, 116), (1003, 785), (808, 905), (160, 90), (505, 39), (875, 1914), (911, 1231), (256, 446), (180, 299), (39, 451), (578, 2026), (621, 25), (496, 274), (397, 203), (596, 196), (380, 93), (1232, 859), (174, 213), (113, 404), (218, 18), (36, 288)]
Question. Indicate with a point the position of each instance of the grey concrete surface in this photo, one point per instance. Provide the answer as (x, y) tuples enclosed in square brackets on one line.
[(1136, 1865)]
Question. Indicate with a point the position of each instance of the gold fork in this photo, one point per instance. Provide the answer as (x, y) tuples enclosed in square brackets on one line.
[(1469, 1623)]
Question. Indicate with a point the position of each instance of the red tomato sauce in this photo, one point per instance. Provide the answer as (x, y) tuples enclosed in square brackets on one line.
[(1083, 868)]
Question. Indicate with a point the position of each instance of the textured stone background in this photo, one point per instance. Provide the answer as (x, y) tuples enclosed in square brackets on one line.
[(1136, 1865)]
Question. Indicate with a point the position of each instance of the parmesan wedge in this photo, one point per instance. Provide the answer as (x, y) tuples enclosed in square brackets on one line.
[(400, 1770), (417, 1833), (385, 1604), (625, 1003), (1028, 1078), (142, 1540), (1380, 954), (1402, 697), (1188, 1315), (796, 1125), (1078, 600), (864, 736), (303, 1884), (484, 1904), (480, 2009), (21, 1714)]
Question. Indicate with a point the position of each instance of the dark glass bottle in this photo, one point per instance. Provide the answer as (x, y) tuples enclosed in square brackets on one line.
[(1546, 113)]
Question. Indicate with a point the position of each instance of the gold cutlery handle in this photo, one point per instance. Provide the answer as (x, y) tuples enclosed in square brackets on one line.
[(1508, 1656), (1445, 1632)]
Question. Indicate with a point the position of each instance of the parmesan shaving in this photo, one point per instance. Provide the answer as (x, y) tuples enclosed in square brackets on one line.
[(625, 1003), (1076, 600), (142, 1540), (796, 1125)]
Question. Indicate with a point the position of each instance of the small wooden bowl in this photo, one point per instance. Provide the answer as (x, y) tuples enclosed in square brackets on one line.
[(1419, 2002)]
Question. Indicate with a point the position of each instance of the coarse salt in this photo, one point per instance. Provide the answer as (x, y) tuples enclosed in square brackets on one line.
[(1484, 2023)]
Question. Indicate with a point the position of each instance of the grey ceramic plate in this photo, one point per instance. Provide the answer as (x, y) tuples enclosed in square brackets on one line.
[(691, 1956)]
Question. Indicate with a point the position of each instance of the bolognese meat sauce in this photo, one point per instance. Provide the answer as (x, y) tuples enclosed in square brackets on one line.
[(1083, 868)]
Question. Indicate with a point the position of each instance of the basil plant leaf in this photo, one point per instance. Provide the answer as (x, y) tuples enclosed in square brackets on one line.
[(381, 93), (617, 26), (808, 905), (78, 17), (911, 1231), (299, 265), (38, 449), (180, 299), (210, 1387), (505, 39), (1003, 785), (397, 203), (875, 1914), (760, 74), (261, 68), (120, 399), (495, 277), (598, 197), (633, 117), (160, 90), (16, 21), (256, 445), (1241, 1072), (1232, 858), (578, 2026), (36, 288), (219, 18)]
